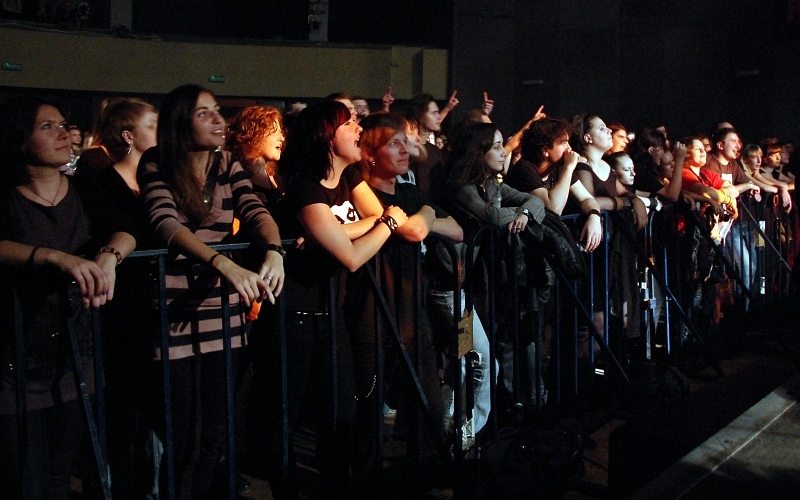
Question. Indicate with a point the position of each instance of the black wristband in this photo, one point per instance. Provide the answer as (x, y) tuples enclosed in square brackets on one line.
[(211, 260), (626, 202), (31, 256), (389, 221), (596, 212), (277, 248)]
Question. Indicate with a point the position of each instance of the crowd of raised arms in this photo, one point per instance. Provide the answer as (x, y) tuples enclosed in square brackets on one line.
[(345, 184)]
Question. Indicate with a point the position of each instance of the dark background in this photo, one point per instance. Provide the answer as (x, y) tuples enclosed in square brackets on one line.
[(683, 63)]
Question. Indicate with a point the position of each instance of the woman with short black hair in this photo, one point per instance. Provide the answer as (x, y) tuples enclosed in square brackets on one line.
[(48, 223)]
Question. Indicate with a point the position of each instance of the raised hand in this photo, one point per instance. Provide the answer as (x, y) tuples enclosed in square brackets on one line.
[(452, 102), (540, 114), (388, 99), (488, 104)]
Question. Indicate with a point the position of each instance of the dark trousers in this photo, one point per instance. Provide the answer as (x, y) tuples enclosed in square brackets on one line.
[(199, 421), (54, 437), (310, 390)]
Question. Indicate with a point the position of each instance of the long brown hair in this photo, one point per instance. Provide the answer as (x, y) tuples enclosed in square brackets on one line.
[(467, 161), (175, 121)]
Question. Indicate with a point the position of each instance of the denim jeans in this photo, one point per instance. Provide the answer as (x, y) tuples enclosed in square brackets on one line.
[(440, 306)]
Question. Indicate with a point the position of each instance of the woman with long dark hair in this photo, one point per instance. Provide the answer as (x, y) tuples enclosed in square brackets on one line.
[(478, 198), (192, 191), (477, 158), (48, 223), (344, 226)]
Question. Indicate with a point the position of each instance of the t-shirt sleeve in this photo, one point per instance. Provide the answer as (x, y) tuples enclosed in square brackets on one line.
[(739, 175), (578, 168), (351, 176), (711, 178), (647, 181), (523, 176)]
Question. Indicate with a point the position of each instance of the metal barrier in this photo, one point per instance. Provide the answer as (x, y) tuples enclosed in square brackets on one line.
[(95, 425), (575, 305)]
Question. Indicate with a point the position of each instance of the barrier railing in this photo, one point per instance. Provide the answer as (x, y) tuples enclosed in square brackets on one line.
[(761, 277)]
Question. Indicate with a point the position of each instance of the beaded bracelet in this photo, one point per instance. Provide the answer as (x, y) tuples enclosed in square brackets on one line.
[(112, 251)]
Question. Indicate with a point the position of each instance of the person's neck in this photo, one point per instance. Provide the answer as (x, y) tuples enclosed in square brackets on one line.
[(45, 184), (387, 186), (721, 158), (43, 176), (595, 155), (544, 167), (199, 162), (425, 134), (127, 167), (129, 162), (335, 173)]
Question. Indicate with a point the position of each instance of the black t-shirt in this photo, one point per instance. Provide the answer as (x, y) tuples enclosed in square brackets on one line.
[(601, 188), (79, 224), (308, 269), (646, 180), (425, 171), (304, 192), (409, 197), (524, 177)]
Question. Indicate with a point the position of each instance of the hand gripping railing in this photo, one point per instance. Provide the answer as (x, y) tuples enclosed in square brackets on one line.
[(169, 452)]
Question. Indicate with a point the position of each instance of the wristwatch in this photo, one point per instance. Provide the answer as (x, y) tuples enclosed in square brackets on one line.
[(524, 211)]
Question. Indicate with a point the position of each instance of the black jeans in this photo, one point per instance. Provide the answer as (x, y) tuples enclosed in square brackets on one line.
[(199, 421), (54, 437), (310, 391)]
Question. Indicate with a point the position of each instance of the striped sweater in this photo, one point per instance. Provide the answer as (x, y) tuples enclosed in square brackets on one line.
[(193, 289)]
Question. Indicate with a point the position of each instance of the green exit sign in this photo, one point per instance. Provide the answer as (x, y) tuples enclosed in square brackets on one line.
[(216, 78), (9, 66)]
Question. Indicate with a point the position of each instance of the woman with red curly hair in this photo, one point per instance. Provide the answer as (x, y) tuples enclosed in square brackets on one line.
[(256, 139)]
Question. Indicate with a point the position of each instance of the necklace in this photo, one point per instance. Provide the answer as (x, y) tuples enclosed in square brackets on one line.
[(52, 202)]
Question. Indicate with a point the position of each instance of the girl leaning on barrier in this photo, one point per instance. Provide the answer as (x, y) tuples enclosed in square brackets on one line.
[(344, 226), (46, 222), (386, 154), (126, 128), (192, 191), (476, 197), (591, 138)]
